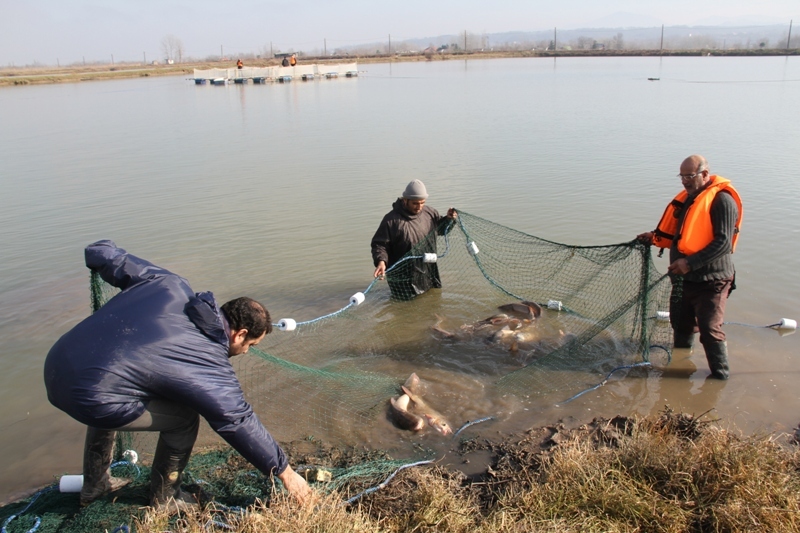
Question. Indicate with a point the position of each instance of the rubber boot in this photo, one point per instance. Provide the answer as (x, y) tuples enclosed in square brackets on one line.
[(97, 478), (717, 356), (165, 482), (682, 340)]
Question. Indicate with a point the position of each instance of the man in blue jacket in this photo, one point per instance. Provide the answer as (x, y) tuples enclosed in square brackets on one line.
[(156, 358)]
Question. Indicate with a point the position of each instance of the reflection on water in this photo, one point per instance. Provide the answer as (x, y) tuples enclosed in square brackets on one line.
[(274, 191)]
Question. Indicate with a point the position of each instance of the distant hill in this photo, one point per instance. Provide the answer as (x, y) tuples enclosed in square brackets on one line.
[(623, 37)]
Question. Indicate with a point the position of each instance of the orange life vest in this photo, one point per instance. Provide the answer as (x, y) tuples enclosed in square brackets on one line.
[(696, 232)]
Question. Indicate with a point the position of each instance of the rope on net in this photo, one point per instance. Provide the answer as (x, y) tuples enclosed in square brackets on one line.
[(385, 482), (37, 520), (469, 423), (288, 324), (624, 367)]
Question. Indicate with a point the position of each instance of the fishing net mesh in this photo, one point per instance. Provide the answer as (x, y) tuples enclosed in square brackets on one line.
[(330, 377)]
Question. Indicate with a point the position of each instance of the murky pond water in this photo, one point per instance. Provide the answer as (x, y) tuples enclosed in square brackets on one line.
[(274, 191)]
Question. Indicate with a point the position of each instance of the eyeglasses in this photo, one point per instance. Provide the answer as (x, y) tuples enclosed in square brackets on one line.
[(687, 177)]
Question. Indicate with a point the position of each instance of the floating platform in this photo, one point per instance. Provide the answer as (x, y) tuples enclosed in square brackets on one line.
[(260, 75)]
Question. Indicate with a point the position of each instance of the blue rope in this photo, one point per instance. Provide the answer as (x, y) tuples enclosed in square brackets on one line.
[(220, 508), (122, 528), (635, 365), (771, 326), (386, 482), (374, 281), (217, 523), (38, 520), (128, 464), (472, 423)]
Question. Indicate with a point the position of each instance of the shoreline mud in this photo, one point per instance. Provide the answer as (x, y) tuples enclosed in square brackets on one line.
[(670, 472), (39, 75)]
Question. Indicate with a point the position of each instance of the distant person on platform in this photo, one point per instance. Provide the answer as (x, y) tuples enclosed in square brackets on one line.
[(239, 63), (700, 227), (156, 357), (409, 224), (293, 60), (285, 62)]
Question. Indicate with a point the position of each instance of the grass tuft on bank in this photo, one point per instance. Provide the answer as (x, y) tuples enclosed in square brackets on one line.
[(667, 473)]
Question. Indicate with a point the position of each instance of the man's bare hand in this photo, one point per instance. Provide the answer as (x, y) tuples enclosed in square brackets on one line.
[(680, 267), (297, 486), (452, 213), (646, 237), (381, 270)]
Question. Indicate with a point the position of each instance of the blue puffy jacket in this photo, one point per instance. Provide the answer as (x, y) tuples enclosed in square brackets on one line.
[(155, 339)]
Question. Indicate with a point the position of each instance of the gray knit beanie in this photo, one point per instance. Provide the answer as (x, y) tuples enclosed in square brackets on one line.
[(415, 191)]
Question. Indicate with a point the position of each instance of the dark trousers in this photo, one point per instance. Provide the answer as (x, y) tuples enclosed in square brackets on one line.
[(178, 427), (700, 306)]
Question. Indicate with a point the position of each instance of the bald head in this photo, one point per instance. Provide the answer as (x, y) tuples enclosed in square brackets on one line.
[(694, 173), (694, 163)]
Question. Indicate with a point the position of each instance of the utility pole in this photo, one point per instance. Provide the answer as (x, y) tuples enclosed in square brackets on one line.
[(390, 45), (662, 38), (271, 53), (84, 61), (325, 47), (465, 40), (112, 59), (790, 35), (221, 55), (58, 63), (555, 39)]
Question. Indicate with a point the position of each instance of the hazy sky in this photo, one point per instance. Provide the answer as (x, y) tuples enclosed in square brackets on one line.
[(68, 31)]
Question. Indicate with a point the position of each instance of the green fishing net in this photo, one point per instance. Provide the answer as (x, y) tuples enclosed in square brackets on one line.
[(329, 377)]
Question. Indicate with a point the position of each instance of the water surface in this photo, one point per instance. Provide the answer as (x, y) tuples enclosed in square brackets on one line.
[(274, 191)]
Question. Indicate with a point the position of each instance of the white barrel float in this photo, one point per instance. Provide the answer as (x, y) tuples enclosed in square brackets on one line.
[(358, 298), (473, 248), (131, 456), (785, 327), (287, 324), (70, 483), (555, 305), (662, 316), (429, 258)]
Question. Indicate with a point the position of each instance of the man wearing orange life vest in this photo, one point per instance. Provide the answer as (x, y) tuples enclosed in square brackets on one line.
[(700, 227)]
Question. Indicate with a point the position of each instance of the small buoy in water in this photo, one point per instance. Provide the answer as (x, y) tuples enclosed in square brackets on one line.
[(555, 305), (473, 248), (287, 324), (357, 298), (786, 326)]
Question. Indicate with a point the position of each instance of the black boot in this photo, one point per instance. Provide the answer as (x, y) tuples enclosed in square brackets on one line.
[(682, 340), (97, 479), (717, 356), (165, 482)]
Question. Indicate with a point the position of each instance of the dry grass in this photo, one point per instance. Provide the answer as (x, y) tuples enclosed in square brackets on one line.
[(660, 474)]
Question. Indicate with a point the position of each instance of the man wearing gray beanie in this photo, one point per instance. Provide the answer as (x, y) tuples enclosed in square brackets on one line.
[(409, 226)]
